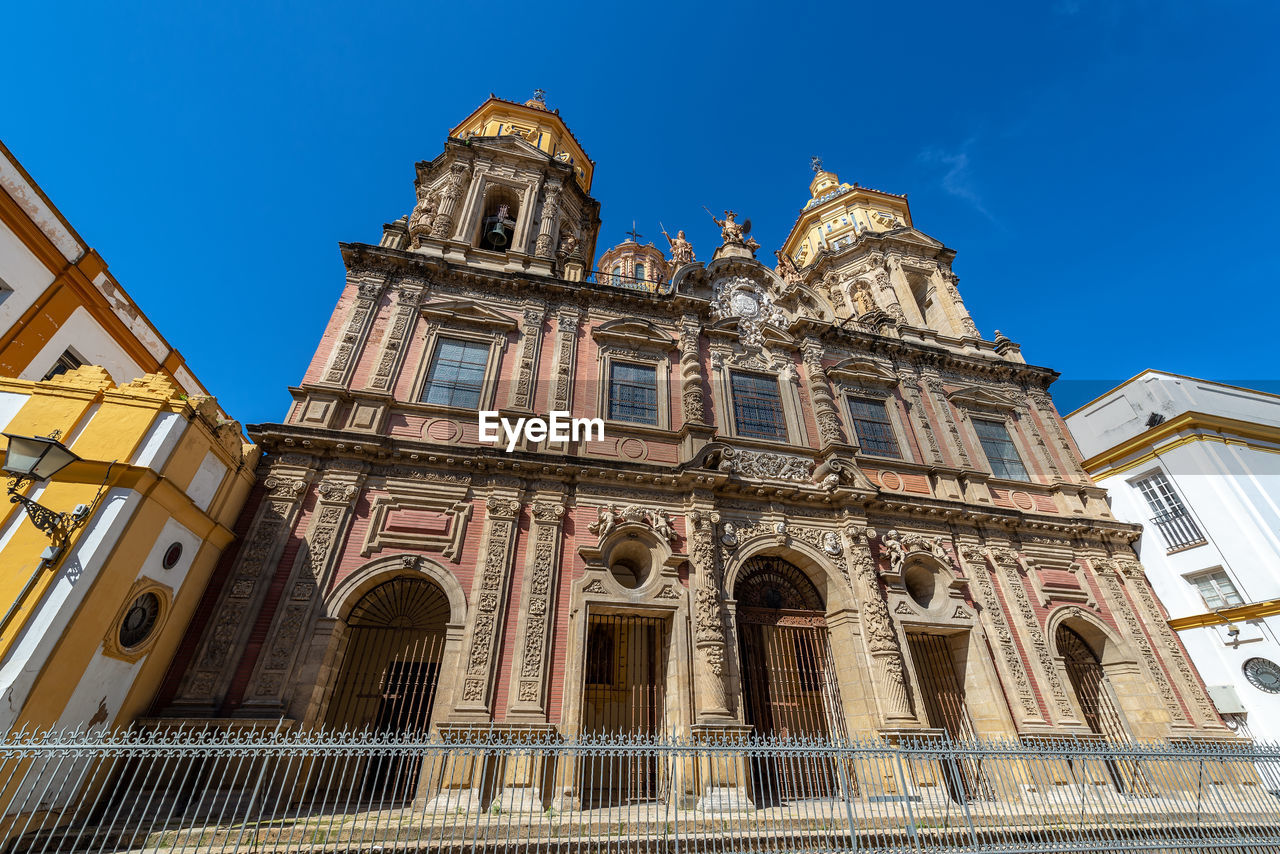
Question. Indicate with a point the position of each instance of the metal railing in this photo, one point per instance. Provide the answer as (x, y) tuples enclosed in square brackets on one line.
[(1178, 529), (488, 789), (629, 283)]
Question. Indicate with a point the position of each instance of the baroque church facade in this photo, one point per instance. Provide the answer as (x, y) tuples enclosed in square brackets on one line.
[(823, 505)]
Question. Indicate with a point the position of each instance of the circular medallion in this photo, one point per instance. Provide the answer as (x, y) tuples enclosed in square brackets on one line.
[(745, 304), (171, 556), (890, 480), (632, 448), (1264, 674), (139, 620), (1022, 500)]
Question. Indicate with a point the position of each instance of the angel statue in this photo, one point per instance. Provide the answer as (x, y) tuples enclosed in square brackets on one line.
[(731, 231), (681, 249)]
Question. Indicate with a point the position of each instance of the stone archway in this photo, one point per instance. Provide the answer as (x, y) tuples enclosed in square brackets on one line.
[(789, 683)]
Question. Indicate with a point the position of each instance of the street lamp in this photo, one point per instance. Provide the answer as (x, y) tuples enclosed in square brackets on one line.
[(33, 459)]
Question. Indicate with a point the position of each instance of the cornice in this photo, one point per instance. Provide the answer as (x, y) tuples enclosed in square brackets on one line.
[(1164, 437)]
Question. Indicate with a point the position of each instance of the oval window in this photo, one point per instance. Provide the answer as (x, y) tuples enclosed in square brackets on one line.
[(171, 556)]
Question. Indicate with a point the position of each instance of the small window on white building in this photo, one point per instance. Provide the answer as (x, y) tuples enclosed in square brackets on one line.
[(5, 290), (68, 361), (1216, 589), (1169, 514)]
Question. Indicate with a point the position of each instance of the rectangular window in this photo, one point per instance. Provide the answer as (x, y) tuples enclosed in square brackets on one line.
[(873, 428), (1000, 451), (757, 406), (68, 361), (1216, 589), (633, 393), (1169, 513), (457, 373), (640, 272)]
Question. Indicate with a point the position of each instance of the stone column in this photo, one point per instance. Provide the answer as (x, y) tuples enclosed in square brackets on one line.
[(408, 293), (271, 685), (1049, 415), (442, 228), (933, 384), (528, 684), (1019, 691), (888, 669), (957, 311), (894, 285), (546, 242), (1036, 440), (562, 370), (708, 608), (345, 354), (911, 391), (493, 578), (887, 297), (204, 686), (824, 406), (691, 371)]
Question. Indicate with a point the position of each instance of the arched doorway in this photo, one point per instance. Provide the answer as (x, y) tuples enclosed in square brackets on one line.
[(788, 675), (1097, 702), (391, 665)]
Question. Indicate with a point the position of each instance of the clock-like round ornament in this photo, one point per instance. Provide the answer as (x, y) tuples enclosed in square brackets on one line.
[(1263, 674)]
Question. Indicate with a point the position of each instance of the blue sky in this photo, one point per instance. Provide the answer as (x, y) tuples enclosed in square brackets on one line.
[(1106, 170)]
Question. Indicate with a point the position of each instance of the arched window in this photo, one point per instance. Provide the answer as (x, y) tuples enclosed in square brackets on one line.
[(498, 225)]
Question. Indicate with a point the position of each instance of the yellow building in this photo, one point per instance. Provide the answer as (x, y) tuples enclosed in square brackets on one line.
[(94, 602)]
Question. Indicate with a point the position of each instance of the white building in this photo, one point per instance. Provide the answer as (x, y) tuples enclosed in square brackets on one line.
[(1198, 463)]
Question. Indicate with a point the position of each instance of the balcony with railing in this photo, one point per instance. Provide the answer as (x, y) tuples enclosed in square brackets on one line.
[(1178, 529), (629, 283)]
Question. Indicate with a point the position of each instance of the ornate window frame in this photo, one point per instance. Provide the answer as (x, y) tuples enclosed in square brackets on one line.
[(984, 405), (634, 342), (111, 646), (871, 381), (778, 361), (485, 327)]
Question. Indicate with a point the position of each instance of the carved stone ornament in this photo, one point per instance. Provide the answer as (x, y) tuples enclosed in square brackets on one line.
[(831, 544), (892, 547), (610, 517), (766, 465), (741, 298)]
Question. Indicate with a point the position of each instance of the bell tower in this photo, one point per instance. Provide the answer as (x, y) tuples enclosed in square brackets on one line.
[(859, 247), (511, 191)]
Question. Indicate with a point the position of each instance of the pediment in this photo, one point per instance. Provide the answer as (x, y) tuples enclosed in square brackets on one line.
[(863, 372), (981, 398), (909, 234), (638, 334), (467, 312), (511, 144)]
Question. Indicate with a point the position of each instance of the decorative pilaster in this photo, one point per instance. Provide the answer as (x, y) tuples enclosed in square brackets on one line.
[(993, 615), (1119, 604), (887, 289), (530, 337), (442, 228), (708, 613), (546, 242), (537, 609), (878, 632), (206, 681), (691, 371), (1155, 619), (493, 579), (1049, 415), (949, 281), (911, 391), (1007, 560), (311, 571), (407, 296), (934, 386), (824, 406), (358, 323), (567, 320), (1033, 430)]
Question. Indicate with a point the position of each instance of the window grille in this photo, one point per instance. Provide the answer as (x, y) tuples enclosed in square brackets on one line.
[(999, 448), (1216, 589), (757, 406), (873, 428), (457, 373), (633, 393), (1170, 514)]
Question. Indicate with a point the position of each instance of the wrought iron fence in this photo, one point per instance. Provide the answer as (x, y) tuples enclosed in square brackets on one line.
[(490, 789)]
